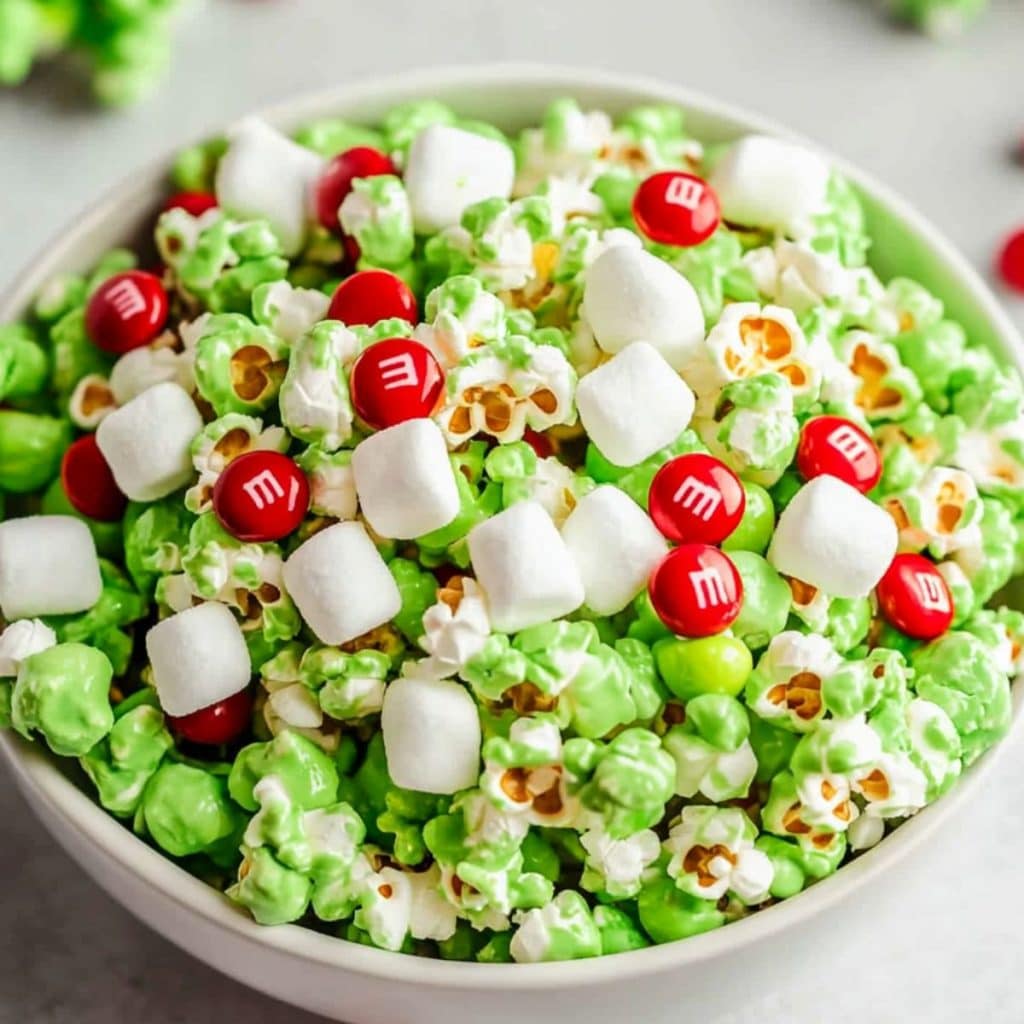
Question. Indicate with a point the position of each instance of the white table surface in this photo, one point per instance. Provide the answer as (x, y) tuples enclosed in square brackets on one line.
[(936, 122)]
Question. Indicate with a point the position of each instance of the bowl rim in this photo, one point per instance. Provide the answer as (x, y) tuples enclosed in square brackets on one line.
[(47, 788)]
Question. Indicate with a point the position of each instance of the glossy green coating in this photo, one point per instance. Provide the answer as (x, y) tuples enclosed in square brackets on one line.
[(758, 522), (711, 664), (31, 447)]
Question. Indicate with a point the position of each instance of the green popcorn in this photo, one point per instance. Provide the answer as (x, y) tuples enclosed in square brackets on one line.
[(711, 664), (307, 774), (766, 600), (989, 563), (964, 600), (377, 214), (633, 780), (711, 749), (857, 686), (716, 271), (757, 525), (108, 536), (668, 914), (712, 853), (59, 295), (839, 746), (755, 431), (647, 627), (6, 699), (794, 866), (330, 136), (646, 689), (271, 892), (941, 19), (195, 167), (24, 367), (348, 686), (155, 535), (187, 810), (939, 512), (887, 390), (932, 353), (497, 673), (847, 622), (636, 480), (31, 447), (959, 672), (239, 365), (1003, 630), (331, 482), (773, 747), (399, 906), (619, 932), (525, 477), (315, 402), (122, 763), (985, 393), (915, 307), (462, 316), (418, 590), (564, 929), (403, 123), (63, 693), (447, 544), (840, 229), (785, 815)]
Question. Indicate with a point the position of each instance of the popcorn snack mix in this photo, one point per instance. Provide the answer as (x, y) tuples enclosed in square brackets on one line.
[(507, 549)]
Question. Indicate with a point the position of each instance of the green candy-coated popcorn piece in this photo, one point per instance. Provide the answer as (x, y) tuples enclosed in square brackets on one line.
[(307, 774), (757, 525), (636, 480), (933, 352), (108, 536), (773, 747), (646, 627), (239, 365), (403, 123), (59, 295), (848, 621), (912, 445), (841, 230), (418, 590), (348, 686), (766, 600), (187, 810), (123, 762), (63, 693), (857, 686), (31, 447), (564, 929), (715, 270), (645, 687), (960, 674), (991, 567), (271, 892), (837, 746), (331, 135), (496, 949), (795, 865), (633, 780), (668, 914), (619, 931), (710, 749), (376, 213), (24, 367), (6, 700), (711, 664), (985, 393), (941, 19), (155, 535), (785, 816), (194, 167)]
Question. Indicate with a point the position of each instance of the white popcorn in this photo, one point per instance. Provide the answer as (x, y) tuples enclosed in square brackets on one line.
[(199, 657), (825, 801), (92, 400), (615, 546), (405, 483), (634, 404), (577, 155), (864, 832), (340, 584), (399, 903), (449, 169), (147, 442), (452, 335), (631, 295), (524, 568), (431, 735), (987, 454), (794, 669), (48, 566), (296, 706), (455, 629), (20, 640), (892, 785), (145, 367), (620, 863), (771, 183), (264, 174), (288, 311), (834, 538)]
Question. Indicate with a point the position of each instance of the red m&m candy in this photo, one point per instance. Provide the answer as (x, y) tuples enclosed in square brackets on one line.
[(676, 208), (89, 483), (219, 723), (195, 203), (696, 590), (1010, 262), (336, 181), (915, 598), (695, 497), (261, 496), (540, 443), (833, 446), (127, 311), (372, 295), (394, 380)]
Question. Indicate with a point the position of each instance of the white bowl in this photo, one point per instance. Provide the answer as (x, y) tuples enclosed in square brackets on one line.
[(361, 985)]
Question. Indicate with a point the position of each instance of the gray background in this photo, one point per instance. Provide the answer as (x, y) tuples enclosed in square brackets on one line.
[(937, 122)]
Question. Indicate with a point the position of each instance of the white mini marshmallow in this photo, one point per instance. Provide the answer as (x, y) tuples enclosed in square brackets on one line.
[(147, 442), (405, 483), (634, 404), (615, 546), (264, 174), (431, 735), (524, 568), (631, 295), (770, 183), (48, 566), (20, 640), (834, 538), (199, 657), (340, 584), (449, 169)]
